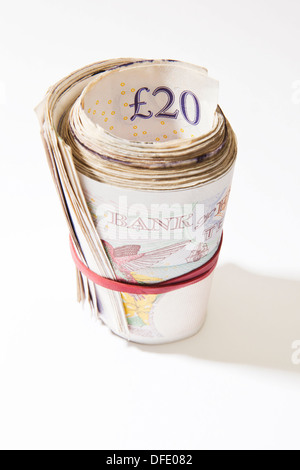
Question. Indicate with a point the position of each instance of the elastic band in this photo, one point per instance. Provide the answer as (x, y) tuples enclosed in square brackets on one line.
[(186, 280)]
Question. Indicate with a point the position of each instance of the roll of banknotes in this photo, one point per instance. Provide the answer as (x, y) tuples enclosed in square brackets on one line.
[(142, 157)]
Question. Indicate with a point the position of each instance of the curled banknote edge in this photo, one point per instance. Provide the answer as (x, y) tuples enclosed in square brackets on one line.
[(142, 158)]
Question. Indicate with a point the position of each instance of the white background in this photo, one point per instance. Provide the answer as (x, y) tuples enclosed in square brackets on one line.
[(66, 381)]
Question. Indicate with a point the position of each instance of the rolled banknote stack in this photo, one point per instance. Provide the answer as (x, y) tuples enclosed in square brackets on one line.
[(142, 158)]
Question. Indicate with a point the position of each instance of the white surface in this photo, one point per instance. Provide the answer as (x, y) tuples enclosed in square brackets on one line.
[(66, 381)]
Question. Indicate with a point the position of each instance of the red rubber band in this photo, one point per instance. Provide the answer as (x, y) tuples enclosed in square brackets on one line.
[(186, 280)]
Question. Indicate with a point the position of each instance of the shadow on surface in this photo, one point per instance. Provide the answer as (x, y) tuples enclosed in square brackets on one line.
[(252, 319)]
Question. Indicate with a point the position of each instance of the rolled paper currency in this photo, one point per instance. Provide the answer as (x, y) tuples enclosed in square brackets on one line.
[(143, 159)]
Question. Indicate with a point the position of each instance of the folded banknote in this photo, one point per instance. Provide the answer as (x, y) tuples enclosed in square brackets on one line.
[(142, 157)]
